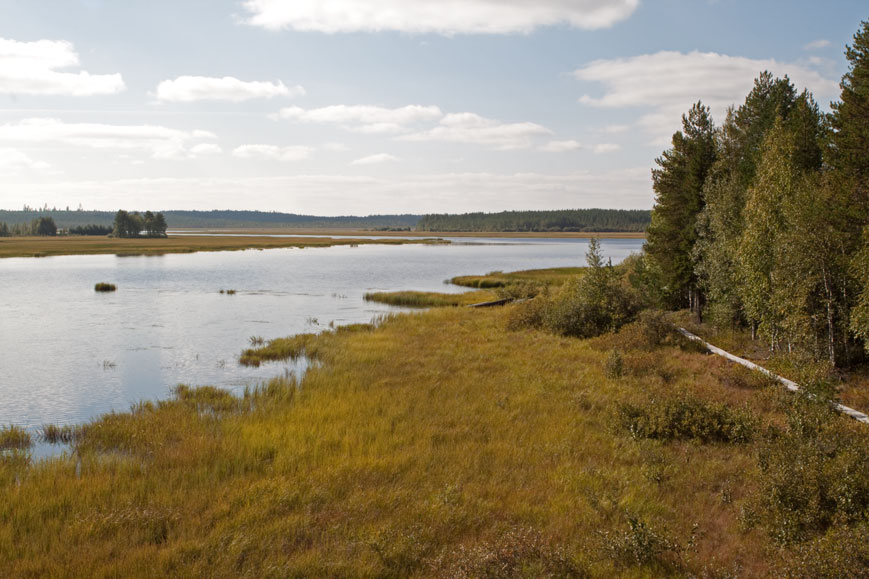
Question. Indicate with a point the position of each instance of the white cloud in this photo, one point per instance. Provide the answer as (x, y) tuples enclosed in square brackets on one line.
[(360, 194), (561, 146), (336, 147), (199, 88), (33, 68), (817, 44), (159, 142), (364, 118), (668, 83), (427, 16), (604, 148), (615, 129), (203, 149), (12, 161), (472, 128), (273, 152), (375, 159)]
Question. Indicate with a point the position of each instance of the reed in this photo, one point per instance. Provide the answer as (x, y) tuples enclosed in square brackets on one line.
[(14, 438), (417, 299), (105, 287), (442, 444)]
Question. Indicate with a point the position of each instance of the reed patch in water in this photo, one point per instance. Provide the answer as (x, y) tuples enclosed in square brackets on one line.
[(105, 287), (14, 438)]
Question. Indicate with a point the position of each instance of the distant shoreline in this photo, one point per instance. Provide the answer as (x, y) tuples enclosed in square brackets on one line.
[(413, 234)]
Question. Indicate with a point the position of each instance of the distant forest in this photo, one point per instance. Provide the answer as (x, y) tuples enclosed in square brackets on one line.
[(215, 219), (603, 220)]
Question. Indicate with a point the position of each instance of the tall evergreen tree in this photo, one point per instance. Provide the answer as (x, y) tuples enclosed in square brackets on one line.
[(678, 184), (721, 223)]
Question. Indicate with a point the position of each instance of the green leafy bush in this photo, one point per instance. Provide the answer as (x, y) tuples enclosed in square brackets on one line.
[(687, 418)]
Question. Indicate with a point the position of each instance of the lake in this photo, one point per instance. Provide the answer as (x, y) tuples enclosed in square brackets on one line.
[(68, 353)]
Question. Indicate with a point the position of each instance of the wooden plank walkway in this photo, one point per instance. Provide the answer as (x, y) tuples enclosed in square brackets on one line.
[(789, 384)]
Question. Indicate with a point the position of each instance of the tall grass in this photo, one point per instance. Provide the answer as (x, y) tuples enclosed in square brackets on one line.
[(417, 299), (436, 444)]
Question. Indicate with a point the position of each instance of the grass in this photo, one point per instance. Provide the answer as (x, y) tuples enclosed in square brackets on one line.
[(496, 279), (438, 444), (48, 246), (416, 299), (105, 287), (14, 438)]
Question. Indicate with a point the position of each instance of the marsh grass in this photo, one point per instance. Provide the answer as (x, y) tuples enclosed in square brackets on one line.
[(105, 287), (417, 299), (73, 245), (538, 277), (14, 438), (56, 434), (428, 445)]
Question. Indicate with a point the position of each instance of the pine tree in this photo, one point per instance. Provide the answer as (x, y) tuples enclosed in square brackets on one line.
[(678, 185)]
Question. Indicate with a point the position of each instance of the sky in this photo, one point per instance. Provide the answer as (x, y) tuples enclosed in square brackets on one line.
[(358, 107)]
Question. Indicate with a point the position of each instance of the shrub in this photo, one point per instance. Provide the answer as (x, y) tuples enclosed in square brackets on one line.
[(105, 287), (640, 544), (519, 553), (685, 417), (614, 367), (814, 474), (519, 290)]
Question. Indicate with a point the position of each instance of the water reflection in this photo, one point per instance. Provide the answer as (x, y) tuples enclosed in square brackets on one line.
[(68, 354)]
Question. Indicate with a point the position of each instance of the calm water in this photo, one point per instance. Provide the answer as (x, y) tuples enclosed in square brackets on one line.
[(68, 354)]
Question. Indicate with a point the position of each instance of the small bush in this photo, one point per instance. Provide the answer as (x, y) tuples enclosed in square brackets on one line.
[(842, 552), (614, 367), (640, 544), (814, 474), (520, 290), (687, 418), (105, 287), (519, 553)]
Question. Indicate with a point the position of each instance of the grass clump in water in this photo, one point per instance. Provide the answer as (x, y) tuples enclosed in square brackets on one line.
[(105, 287), (14, 438), (291, 348), (55, 434), (416, 299)]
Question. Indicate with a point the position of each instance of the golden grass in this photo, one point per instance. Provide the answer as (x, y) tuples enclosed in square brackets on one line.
[(417, 299), (438, 444), (553, 276), (47, 246)]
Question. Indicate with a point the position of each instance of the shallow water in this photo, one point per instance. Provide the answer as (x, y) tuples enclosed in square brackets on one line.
[(68, 354)]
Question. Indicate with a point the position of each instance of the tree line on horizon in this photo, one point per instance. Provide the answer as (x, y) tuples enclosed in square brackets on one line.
[(762, 223), (567, 220)]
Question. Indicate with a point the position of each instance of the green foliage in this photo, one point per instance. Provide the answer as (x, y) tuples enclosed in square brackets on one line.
[(687, 418), (678, 184), (641, 544), (132, 224), (614, 367), (43, 226), (90, 229), (601, 300), (105, 287), (600, 220), (814, 474)]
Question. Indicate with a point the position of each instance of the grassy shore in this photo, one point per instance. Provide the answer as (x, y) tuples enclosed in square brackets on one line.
[(46, 246), (417, 299), (442, 444), (497, 279)]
